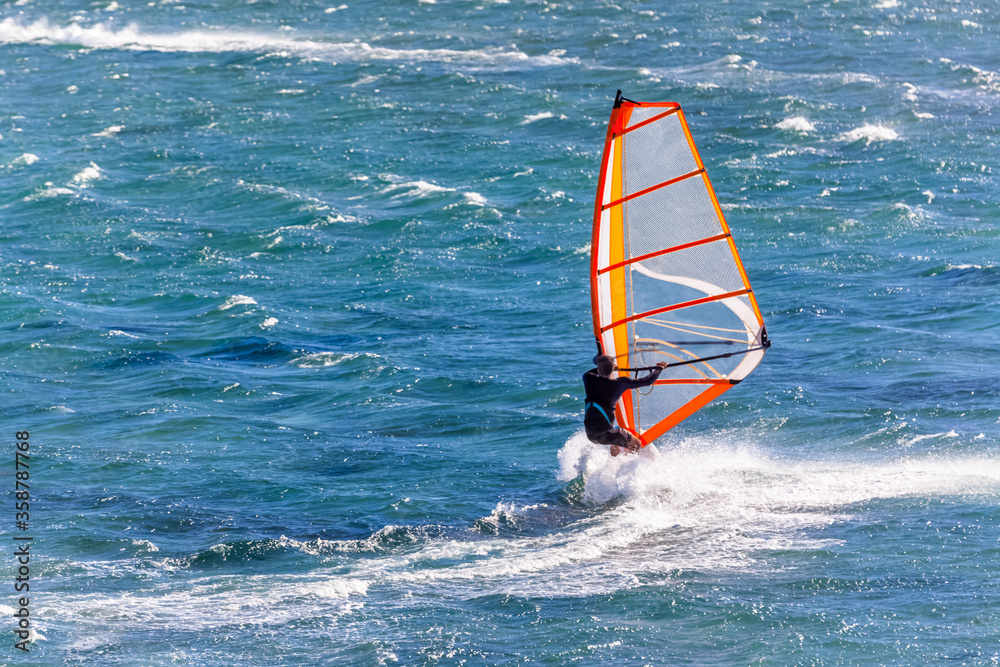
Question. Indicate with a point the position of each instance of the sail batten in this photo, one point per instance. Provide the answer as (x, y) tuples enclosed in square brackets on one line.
[(661, 245)]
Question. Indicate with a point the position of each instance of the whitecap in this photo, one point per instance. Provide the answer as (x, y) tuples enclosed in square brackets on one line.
[(340, 588), (869, 134), (50, 191), (133, 38), (24, 160), (89, 173), (324, 359), (116, 332), (145, 545), (365, 80), (537, 117), (416, 188), (109, 132), (237, 300), (796, 124)]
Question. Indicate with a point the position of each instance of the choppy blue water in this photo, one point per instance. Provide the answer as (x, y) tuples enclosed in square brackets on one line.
[(295, 307)]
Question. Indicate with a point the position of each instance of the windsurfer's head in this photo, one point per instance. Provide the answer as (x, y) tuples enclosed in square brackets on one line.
[(605, 365)]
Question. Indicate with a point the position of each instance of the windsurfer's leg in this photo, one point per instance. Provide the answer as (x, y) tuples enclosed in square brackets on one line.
[(618, 439)]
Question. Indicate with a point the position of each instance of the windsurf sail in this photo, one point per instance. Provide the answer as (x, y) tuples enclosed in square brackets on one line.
[(666, 281)]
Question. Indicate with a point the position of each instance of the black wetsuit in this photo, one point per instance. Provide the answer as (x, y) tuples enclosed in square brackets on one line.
[(602, 394)]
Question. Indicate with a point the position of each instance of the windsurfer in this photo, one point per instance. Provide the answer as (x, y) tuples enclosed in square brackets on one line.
[(602, 394)]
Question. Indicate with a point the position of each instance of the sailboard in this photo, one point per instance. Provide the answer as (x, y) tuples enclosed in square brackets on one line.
[(667, 283)]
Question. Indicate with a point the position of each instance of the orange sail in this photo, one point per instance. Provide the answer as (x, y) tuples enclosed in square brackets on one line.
[(666, 281)]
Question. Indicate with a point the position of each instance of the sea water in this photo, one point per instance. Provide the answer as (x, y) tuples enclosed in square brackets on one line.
[(295, 306)]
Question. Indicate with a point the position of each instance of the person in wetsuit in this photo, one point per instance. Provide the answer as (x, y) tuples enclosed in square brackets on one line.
[(602, 394)]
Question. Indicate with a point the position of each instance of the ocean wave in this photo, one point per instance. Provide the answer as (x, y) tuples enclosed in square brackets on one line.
[(796, 124), (109, 131), (134, 38), (387, 540), (23, 160), (869, 134), (418, 188), (543, 115), (87, 174), (969, 274), (325, 359), (743, 478), (505, 517), (421, 189), (237, 300), (78, 182)]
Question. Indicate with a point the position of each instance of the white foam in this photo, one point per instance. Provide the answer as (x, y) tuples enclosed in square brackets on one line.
[(51, 190), (324, 359), (110, 131), (237, 300), (932, 436), (706, 504), (869, 134), (796, 124), (475, 198), (537, 117), (145, 545), (269, 322), (365, 80), (88, 174), (340, 588), (25, 159), (746, 477), (132, 37), (420, 189), (416, 188)]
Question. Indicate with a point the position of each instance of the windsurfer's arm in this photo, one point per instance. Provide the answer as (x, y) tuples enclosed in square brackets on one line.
[(645, 381)]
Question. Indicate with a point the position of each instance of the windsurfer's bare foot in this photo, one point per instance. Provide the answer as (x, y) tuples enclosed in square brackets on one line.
[(615, 450)]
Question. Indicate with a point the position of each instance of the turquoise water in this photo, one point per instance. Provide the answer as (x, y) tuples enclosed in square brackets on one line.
[(296, 307)]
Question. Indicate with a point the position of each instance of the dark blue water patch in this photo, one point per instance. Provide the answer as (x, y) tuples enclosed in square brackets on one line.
[(163, 307), (132, 359), (252, 350)]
